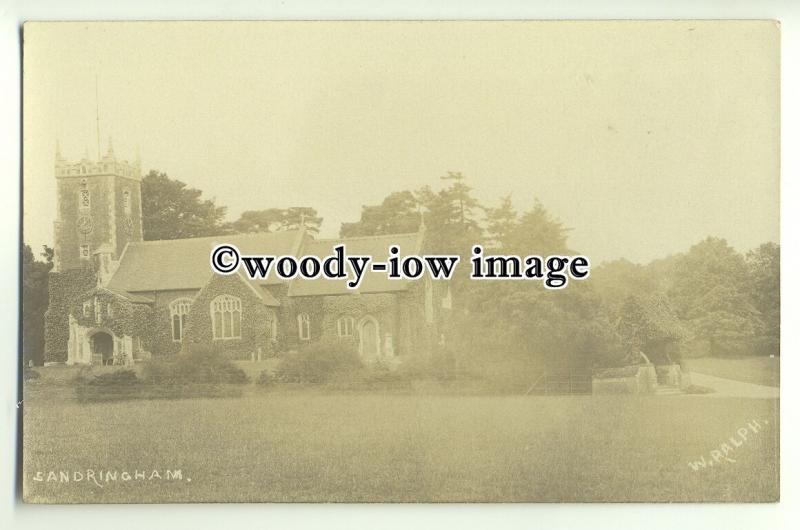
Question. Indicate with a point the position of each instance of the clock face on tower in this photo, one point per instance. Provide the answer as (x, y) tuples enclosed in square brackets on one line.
[(84, 224)]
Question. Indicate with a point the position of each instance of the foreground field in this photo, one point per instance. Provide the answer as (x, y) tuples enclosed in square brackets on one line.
[(312, 446)]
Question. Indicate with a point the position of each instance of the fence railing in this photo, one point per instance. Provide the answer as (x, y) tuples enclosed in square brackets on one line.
[(561, 384)]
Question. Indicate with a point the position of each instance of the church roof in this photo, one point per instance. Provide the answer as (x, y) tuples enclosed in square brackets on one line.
[(373, 282), (184, 263), (121, 294), (266, 297), (135, 298)]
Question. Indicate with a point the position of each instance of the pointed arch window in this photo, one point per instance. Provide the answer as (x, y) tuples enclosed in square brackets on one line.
[(304, 326), (226, 317), (126, 201), (345, 326), (178, 313)]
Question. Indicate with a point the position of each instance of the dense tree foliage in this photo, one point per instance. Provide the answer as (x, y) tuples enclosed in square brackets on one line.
[(304, 216), (277, 219), (171, 210), (764, 289), (269, 220), (710, 299), (709, 290), (648, 324), (399, 213), (500, 222), (34, 302)]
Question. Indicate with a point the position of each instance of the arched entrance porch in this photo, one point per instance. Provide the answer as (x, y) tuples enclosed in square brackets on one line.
[(369, 338), (102, 347)]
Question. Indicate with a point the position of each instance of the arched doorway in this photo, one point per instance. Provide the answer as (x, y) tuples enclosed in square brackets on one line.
[(369, 338), (102, 347)]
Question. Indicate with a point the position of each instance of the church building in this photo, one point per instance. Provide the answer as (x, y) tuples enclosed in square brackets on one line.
[(117, 299)]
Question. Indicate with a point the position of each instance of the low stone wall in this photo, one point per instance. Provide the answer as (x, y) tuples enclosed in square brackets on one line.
[(642, 380), (669, 375)]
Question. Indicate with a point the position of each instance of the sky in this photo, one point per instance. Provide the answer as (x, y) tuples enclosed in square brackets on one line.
[(642, 137)]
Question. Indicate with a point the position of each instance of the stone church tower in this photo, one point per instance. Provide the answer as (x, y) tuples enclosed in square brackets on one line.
[(99, 211), (99, 205)]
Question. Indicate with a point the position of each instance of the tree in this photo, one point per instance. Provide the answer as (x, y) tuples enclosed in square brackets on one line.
[(301, 216), (764, 282), (397, 214), (649, 324), (500, 223), (709, 292), (451, 217), (277, 219), (171, 210), (525, 327), (537, 232), (269, 220), (34, 302), (616, 281)]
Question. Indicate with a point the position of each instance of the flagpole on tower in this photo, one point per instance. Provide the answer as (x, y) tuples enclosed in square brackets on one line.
[(97, 114)]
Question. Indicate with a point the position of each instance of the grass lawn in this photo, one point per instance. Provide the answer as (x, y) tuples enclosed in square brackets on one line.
[(313, 445), (758, 370)]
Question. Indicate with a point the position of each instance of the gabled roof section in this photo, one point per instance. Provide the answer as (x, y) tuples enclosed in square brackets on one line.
[(260, 291), (184, 263), (266, 297), (135, 298), (373, 282)]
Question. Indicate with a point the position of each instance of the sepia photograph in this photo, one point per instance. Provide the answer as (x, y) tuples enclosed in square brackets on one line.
[(400, 262)]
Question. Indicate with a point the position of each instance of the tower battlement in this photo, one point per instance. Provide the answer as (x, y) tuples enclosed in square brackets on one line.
[(99, 210), (109, 164)]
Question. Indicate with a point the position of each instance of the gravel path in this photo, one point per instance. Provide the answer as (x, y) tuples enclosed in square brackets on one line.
[(730, 388)]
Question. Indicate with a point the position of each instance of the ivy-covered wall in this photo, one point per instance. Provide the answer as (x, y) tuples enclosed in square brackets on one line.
[(254, 332), (64, 288), (282, 342), (399, 314), (421, 335), (114, 313), (161, 328)]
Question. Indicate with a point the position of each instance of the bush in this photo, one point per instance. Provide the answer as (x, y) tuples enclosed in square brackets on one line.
[(115, 378), (110, 386), (414, 367), (265, 378), (196, 374), (29, 374), (318, 362), (442, 365), (765, 346), (200, 366), (380, 373)]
